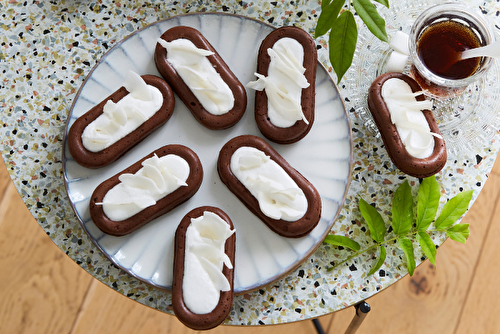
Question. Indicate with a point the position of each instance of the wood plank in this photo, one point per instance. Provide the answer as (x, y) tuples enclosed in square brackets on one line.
[(326, 321), (41, 287), (478, 313), (107, 311), (299, 327), (432, 299), (496, 167), (480, 310)]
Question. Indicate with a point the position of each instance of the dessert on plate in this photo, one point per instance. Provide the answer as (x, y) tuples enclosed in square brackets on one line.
[(122, 120), (267, 185), (411, 135), (285, 85), (146, 190), (200, 77), (203, 283)]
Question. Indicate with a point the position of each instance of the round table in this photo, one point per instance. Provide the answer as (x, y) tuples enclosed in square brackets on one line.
[(47, 51)]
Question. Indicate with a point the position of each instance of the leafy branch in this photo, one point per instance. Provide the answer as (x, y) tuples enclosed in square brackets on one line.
[(343, 29), (406, 229)]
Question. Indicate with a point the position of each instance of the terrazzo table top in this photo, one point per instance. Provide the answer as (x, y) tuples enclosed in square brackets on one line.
[(47, 50)]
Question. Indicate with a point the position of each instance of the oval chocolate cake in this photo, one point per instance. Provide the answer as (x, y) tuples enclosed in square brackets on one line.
[(267, 185), (200, 77), (422, 152), (98, 147), (285, 89), (146, 190), (205, 245)]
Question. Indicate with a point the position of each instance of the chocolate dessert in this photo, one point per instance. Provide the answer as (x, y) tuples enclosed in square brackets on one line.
[(162, 206), (221, 311), (285, 228), (295, 132), (102, 158), (411, 165), (187, 95)]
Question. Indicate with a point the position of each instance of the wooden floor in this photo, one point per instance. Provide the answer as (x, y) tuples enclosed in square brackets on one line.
[(43, 291)]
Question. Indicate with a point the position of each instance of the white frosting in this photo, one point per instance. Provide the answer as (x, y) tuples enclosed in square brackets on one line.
[(198, 73), (121, 118), (156, 179), (407, 116), (278, 195), (203, 263), (284, 83)]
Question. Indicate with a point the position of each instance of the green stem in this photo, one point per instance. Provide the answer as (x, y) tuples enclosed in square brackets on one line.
[(411, 234)]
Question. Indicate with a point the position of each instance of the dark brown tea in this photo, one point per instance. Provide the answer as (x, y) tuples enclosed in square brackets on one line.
[(439, 48)]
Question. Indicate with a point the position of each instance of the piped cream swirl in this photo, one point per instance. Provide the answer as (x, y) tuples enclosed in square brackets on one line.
[(278, 195), (284, 83), (407, 116), (204, 259), (121, 118), (157, 178), (198, 73)]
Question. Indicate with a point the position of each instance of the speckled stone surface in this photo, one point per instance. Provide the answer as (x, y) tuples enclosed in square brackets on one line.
[(48, 48)]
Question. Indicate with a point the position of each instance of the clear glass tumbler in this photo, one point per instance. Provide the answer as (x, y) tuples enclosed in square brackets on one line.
[(438, 86)]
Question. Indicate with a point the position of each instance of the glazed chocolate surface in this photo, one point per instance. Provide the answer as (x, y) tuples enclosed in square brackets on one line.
[(109, 155), (162, 206), (213, 122), (300, 129), (408, 164), (293, 229), (221, 311)]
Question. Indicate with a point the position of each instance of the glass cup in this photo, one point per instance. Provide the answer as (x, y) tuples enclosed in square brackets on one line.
[(446, 18)]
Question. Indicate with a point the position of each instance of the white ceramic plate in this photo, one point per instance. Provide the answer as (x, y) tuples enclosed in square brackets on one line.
[(324, 156)]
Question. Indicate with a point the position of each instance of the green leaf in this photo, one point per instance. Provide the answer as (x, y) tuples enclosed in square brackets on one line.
[(325, 3), (428, 202), (459, 232), (383, 2), (328, 15), (402, 209), (339, 240), (428, 246), (453, 210), (381, 259), (342, 43), (370, 16), (407, 247), (375, 222)]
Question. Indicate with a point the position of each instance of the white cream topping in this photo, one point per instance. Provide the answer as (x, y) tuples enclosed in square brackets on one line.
[(203, 279), (121, 118), (278, 195), (156, 179), (284, 83), (198, 73), (407, 116)]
